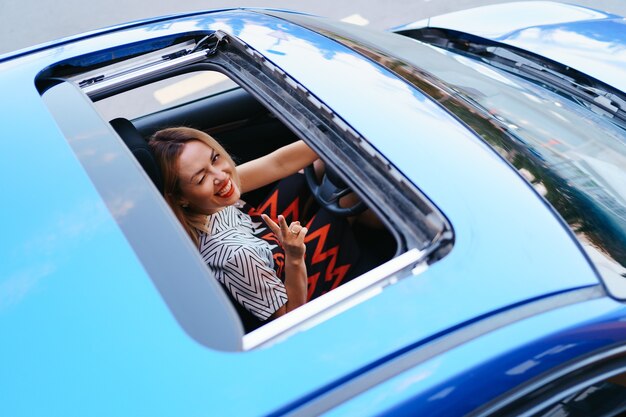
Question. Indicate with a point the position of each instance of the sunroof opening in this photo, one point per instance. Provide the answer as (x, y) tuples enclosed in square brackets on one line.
[(352, 251)]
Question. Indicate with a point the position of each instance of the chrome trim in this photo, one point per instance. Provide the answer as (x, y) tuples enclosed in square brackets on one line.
[(119, 80), (338, 300), (132, 64)]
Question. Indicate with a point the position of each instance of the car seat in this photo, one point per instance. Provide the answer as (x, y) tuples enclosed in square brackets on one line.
[(140, 149)]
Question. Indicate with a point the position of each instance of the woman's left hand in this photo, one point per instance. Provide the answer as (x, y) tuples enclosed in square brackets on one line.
[(291, 237)]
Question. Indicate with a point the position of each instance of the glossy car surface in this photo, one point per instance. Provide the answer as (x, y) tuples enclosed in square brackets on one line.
[(505, 196)]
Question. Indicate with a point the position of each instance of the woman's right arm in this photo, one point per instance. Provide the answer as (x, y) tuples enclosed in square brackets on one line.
[(292, 239), (274, 166)]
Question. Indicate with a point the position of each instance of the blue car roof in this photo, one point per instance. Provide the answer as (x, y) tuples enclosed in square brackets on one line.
[(77, 306)]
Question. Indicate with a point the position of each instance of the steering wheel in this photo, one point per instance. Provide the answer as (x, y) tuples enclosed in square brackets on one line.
[(329, 190)]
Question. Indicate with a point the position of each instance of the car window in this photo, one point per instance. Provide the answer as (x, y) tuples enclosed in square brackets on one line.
[(588, 386), (604, 398)]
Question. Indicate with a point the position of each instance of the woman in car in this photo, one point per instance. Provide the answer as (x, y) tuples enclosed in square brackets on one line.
[(257, 253)]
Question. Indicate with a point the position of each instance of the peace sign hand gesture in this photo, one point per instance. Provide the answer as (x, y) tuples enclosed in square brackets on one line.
[(291, 237)]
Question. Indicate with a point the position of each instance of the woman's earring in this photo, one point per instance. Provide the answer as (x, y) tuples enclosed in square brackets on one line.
[(184, 205)]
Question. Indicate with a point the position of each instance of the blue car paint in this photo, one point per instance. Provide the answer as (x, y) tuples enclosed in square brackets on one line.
[(88, 333), (590, 41), (466, 377)]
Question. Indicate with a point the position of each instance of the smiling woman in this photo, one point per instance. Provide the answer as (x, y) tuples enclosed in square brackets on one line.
[(264, 269), (196, 170)]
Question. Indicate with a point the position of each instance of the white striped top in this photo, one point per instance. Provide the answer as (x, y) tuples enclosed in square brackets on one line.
[(242, 262)]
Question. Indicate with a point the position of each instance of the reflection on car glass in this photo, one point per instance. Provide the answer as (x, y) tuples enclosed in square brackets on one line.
[(602, 399)]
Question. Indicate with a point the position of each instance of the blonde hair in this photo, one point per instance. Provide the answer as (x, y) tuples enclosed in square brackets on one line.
[(167, 145)]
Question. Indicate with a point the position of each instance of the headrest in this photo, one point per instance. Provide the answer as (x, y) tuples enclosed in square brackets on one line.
[(140, 149)]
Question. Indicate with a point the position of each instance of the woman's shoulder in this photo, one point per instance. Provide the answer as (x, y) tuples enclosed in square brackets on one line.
[(229, 225), (219, 246), (219, 249), (226, 218)]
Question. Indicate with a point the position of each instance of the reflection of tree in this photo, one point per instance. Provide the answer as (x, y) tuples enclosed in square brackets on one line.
[(565, 185)]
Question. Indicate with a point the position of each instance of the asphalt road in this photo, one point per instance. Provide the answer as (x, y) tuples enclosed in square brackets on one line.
[(25, 23)]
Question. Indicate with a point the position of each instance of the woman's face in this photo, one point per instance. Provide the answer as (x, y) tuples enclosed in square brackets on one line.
[(206, 178)]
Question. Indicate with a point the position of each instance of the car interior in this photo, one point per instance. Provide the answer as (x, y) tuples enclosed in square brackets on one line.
[(247, 130)]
